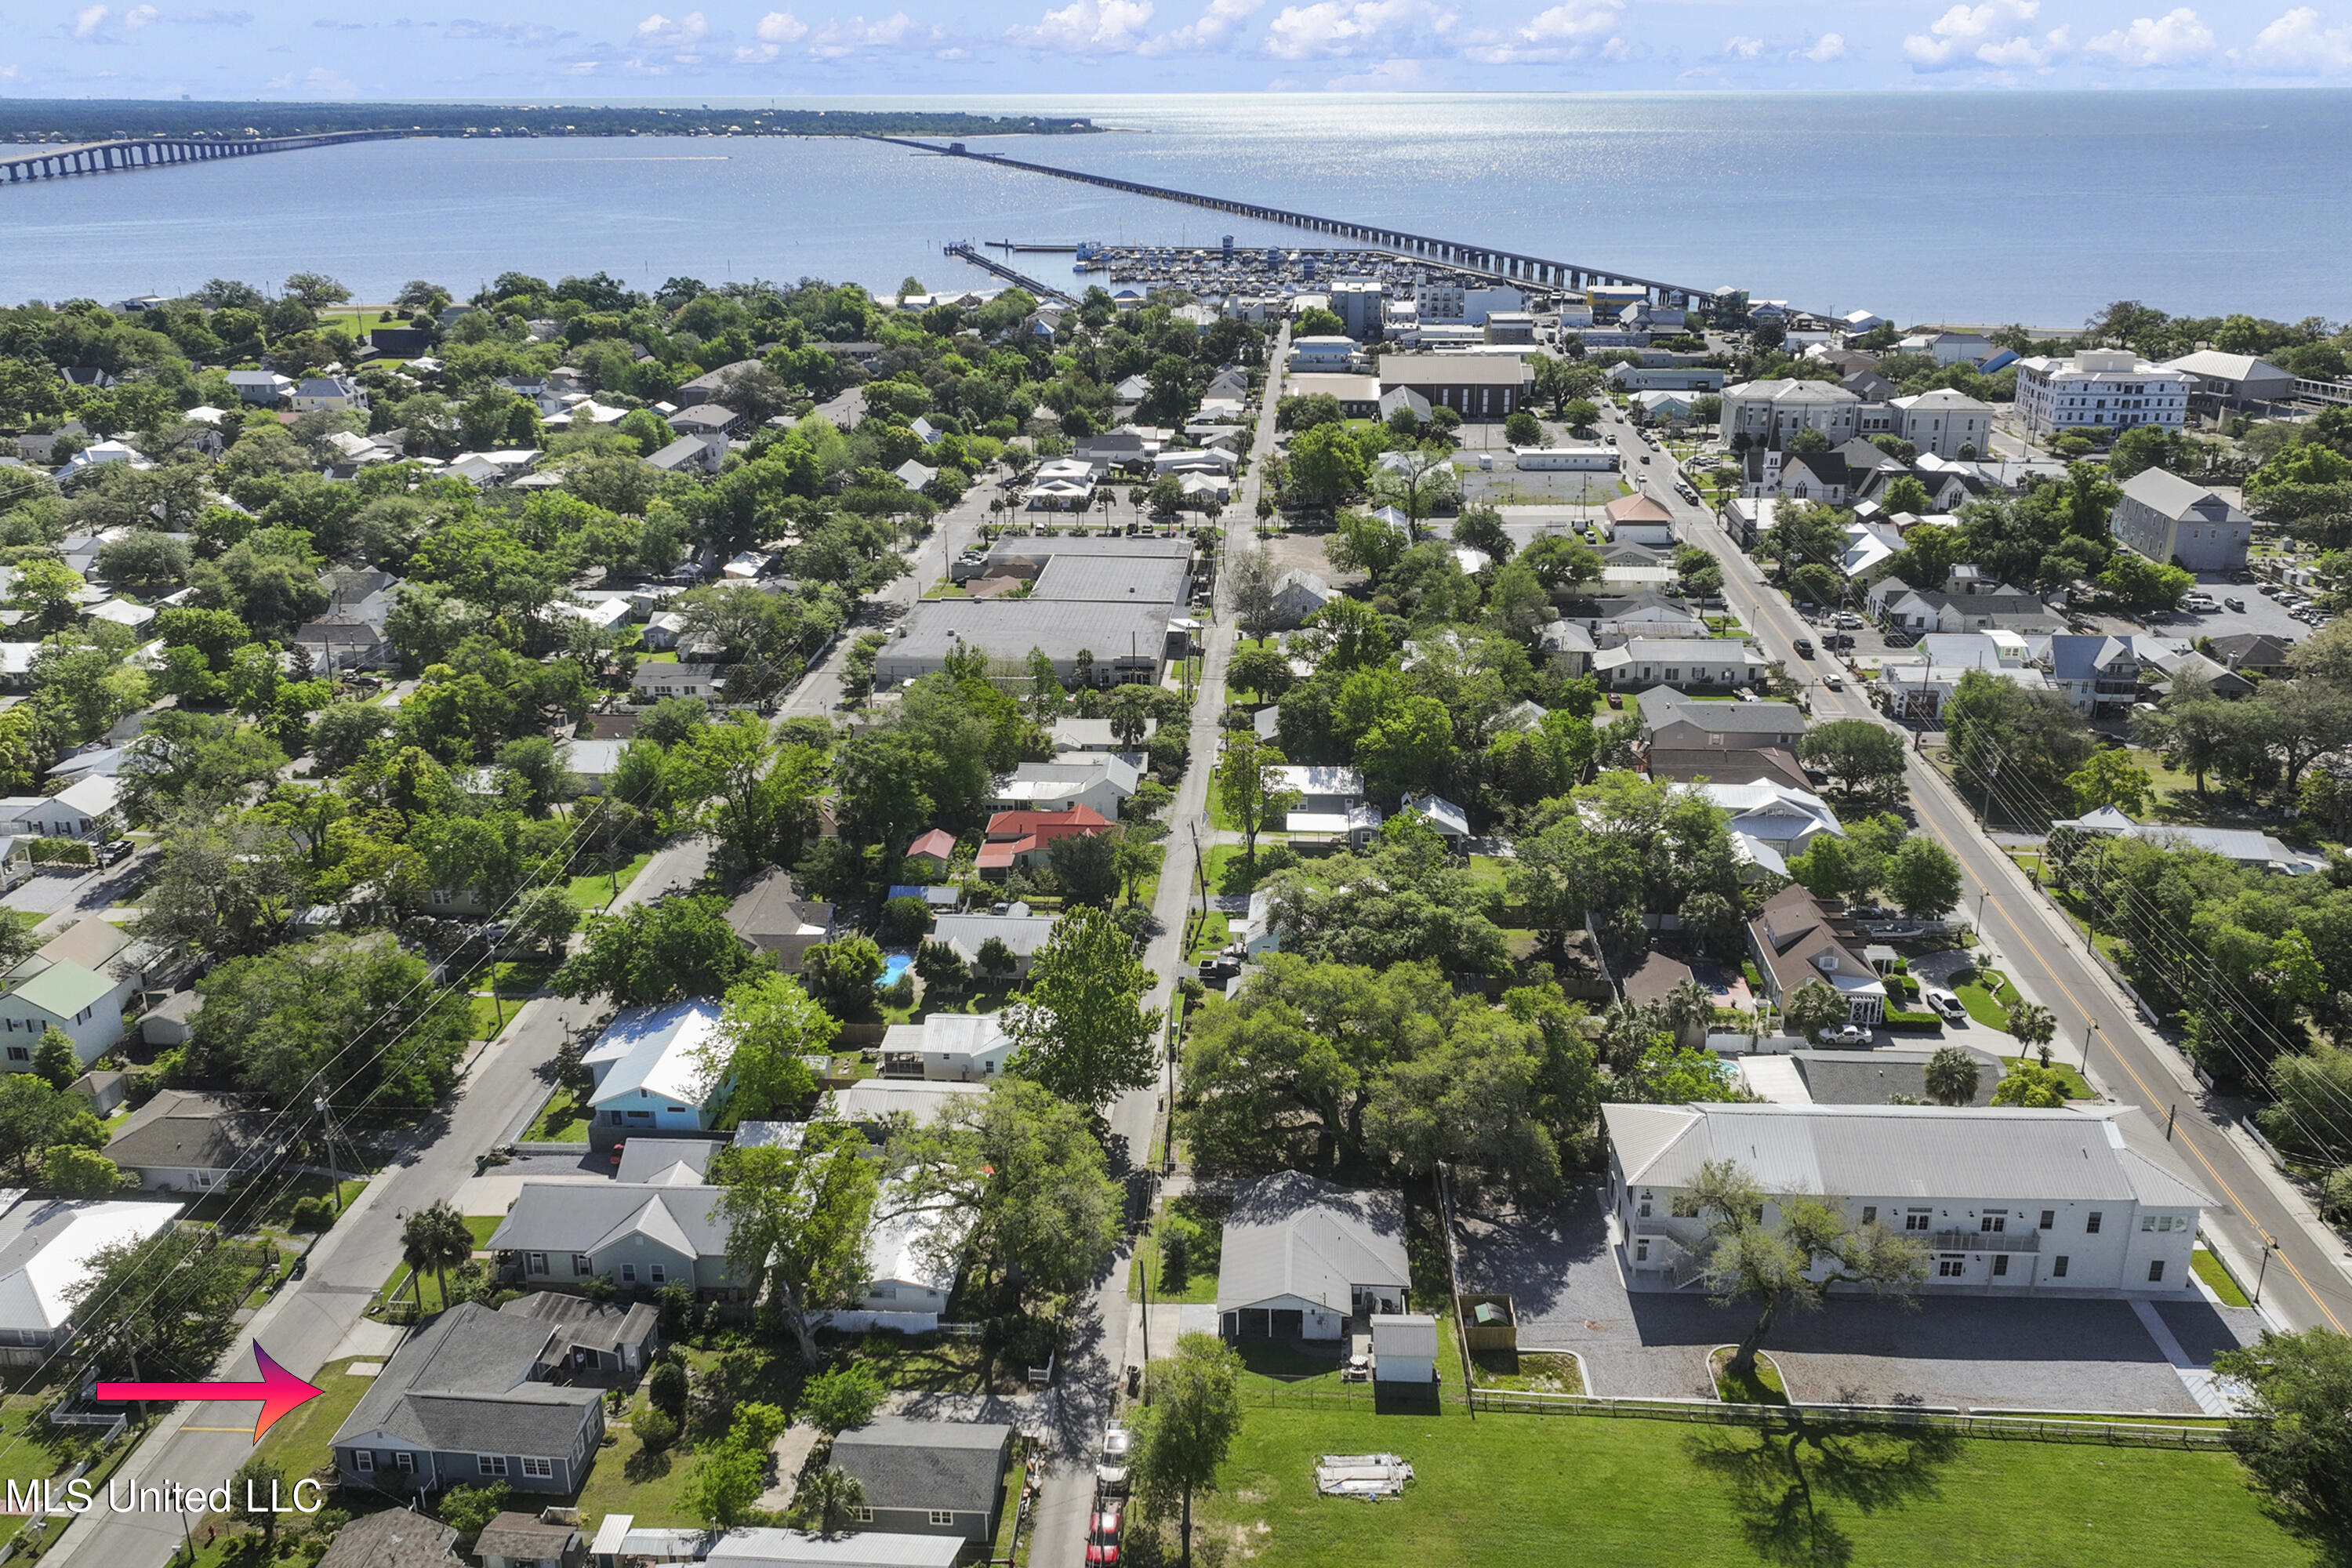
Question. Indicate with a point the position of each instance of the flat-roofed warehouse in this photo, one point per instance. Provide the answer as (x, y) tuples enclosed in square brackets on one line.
[(1113, 579), (1128, 643), (1025, 555)]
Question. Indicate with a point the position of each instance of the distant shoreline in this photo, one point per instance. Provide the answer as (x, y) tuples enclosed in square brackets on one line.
[(33, 122)]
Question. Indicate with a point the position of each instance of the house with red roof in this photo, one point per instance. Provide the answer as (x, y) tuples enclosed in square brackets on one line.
[(937, 846), (1026, 838)]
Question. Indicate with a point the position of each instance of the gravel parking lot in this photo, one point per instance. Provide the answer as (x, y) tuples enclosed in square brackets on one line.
[(1978, 1352)]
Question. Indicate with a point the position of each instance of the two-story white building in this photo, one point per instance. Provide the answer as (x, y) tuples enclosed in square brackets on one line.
[(1769, 412), (2095, 387), (2003, 1199)]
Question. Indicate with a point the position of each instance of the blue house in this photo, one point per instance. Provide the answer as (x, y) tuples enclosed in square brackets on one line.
[(650, 1076)]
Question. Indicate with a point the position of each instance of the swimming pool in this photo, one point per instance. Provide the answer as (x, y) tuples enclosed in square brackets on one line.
[(894, 964)]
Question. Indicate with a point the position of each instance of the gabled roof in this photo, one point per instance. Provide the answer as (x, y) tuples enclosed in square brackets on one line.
[(772, 909), (2170, 495), (584, 1217), (1663, 705), (181, 1129), (46, 1246), (909, 1464), (63, 990), (655, 1048), (1904, 1151), (463, 1384), (1291, 1234), (392, 1538)]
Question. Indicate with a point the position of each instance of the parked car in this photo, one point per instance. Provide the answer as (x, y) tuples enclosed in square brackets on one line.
[(1103, 1536), (1847, 1035), (2235, 603), (1900, 933), (115, 851), (1849, 622), (1945, 1003), (1616, 700), (1111, 1470), (616, 1152), (1804, 647)]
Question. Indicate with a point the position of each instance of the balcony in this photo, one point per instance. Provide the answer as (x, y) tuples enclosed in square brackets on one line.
[(1984, 1241)]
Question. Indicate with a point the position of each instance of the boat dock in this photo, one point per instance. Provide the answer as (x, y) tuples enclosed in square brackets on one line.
[(964, 250)]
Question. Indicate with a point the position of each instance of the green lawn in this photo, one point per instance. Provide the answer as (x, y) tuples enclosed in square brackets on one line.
[(597, 889), (1989, 997), (1761, 1386), (1214, 931), (627, 1479), (300, 1442), (2217, 1278), (1199, 1282), (491, 1016), (1503, 1491), (2077, 1086), (563, 1120)]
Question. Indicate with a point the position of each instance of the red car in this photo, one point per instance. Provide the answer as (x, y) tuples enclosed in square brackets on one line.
[(1103, 1538)]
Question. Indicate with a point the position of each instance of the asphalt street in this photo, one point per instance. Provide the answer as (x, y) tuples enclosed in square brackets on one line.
[(2305, 1282)]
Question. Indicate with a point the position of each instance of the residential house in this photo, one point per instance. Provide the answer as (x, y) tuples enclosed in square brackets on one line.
[(934, 850), (2177, 523), (513, 1540), (705, 420), (1301, 1256), (1320, 790), (262, 386), (1639, 518), (1948, 348), (615, 1341), (1098, 782), (85, 1004), (656, 679), (2099, 676), (876, 1103), (912, 1257), (668, 1162), (1612, 620), (1022, 932), (1299, 594), (649, 1079), (1923, 610), (461, 1403), (2100, 389), (102, 1092), (1794, 941), (48, 1247), (392, 1537), (1025, 838), (329, 393), (2256, 653), (1089, 736), (772, 915), (1447, 820), (2241, 846), (558, 1235), (2173, 662), (928, 1478), (1723, 663), (1661, 406), (689, 454), (2005, 1200), (185, 1141), (1787, 820), (947, 1047), (2220, 382)]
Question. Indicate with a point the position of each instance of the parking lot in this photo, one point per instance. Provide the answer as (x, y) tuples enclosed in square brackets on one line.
[(1975, 1352), (2262, 613)]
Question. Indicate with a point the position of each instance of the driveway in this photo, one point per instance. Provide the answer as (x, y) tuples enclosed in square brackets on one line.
[(1978, 1352)]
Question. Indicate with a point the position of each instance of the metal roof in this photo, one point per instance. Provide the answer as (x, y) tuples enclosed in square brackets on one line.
[(1291, 1234)]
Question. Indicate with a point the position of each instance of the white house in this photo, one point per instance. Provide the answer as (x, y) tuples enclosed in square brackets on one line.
[(2004, 1200), (1099, 779), (2114, 388), (1787, 820), (1302, 1255), (85, 1005), (959, 1047), (910, 1256), (1769, 412), (1644, 662), (647, 1074), (47, 1248)]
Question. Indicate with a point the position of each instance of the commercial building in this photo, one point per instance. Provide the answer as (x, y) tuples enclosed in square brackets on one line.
[(1769, 412), (1098, 643), (1475, 386), (2227, 382), (2173, 521), (1458, 304), (2003, 1199), (2095, 388), (1947, 423)]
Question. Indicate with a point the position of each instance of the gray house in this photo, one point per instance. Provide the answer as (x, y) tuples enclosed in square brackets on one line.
[(394, 1537), (1302, 1256), (563, 1233), (926, 1478), (462, 1403), (593, 1339), (2167, 519)]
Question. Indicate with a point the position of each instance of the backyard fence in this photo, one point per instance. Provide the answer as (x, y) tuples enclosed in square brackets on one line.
[(1877, 1417)]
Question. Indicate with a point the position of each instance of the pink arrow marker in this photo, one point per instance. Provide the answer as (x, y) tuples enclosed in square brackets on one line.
[(279, 1391)]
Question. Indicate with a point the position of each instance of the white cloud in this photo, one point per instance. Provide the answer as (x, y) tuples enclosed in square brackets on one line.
[(2295, 44), (1088, 27), (1827, 47), (1743, 49), (837, 39), (1563, 33), (1389, 75), (2174, 38), (88, 20), (659, 32), (1991, 33), (775, 29), (138, 16), (1343, 27), (1213, 28)]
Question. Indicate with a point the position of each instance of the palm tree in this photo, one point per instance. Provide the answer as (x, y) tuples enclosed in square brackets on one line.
[(828, 1499), (1951, 1077), (1689, 1007), (436, 1237), (2032, 1024)]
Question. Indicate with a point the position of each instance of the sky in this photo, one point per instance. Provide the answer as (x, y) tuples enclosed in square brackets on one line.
[(309, 49)]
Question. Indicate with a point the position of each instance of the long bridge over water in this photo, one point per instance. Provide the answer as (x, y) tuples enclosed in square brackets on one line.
[(21, 163), (1513, 265)]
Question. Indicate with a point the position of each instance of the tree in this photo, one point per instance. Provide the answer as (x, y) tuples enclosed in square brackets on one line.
[(55, 1058), (1261, 669), (841, 974), (841, 1397), (2031, 1024), (827, 1501), (1325, 465), (1184, 1432), (160, 1307), (733, 1472), (73, 1172), (1369, 544), (2141, 584), (1922, 877), (1952, 1077), (1084, 1032), (754, 1057), (316, 290), (469, 1509), (2028, 1084), (2021, 744), (796, 1224), (1866, 757), (659, 952), (436, 1237), (1795, 1260), (35, 1118), (355, 1007), (1813, 1006), (2111, 778), (1086, 867), (1249, 786), (2295, 1432)]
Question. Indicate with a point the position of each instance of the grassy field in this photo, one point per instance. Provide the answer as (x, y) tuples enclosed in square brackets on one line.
[(1505, 1491), (597, 889)]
